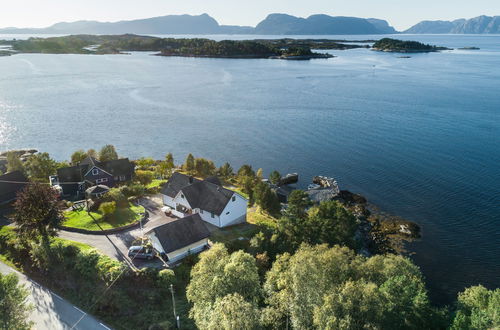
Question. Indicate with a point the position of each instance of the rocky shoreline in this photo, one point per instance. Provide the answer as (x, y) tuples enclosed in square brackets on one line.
[(379, 231)]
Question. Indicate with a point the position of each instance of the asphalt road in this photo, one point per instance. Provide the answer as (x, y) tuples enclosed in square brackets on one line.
[(116, 245), (51, 312)]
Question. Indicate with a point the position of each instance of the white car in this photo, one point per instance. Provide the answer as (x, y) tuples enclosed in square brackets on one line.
[(166, 209)]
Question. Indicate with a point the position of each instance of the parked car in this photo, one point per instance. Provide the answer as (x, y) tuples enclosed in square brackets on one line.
[(167, 210), (141, 252)]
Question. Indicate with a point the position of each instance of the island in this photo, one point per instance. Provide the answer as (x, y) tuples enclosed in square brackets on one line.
[(185, 47), (402, 46)]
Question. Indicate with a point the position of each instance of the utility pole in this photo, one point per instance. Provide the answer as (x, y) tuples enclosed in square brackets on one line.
[(173, 306)]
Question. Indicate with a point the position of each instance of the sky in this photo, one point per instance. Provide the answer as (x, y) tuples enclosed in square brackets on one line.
[(399, 13)]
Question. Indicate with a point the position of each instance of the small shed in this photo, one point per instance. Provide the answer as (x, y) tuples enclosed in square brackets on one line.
[(96, 191), (180, 238)]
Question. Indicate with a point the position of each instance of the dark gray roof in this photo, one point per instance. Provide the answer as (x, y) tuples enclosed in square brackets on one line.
[(8, 190), (181, 233), (207, 196), (89, 161), (214, 180), (70, 174), (118, 167), (76, 173), (176, 182)]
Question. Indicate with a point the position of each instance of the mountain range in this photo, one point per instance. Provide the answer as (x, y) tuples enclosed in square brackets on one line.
[(477, 25), (274, 24)]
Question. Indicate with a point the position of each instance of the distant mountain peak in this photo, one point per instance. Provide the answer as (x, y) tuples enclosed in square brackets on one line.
[(478, 25), (276, 23)]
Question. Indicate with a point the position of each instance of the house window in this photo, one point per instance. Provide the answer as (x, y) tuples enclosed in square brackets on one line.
[(122, 177), (234, 198), (212, 215), (182, 196), (95, 171), (201, 211), (227, 213)]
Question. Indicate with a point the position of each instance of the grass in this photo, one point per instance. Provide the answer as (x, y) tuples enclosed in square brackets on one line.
[(260, 218), (65, 242), (123, 216), (238, 190), (225, 235), (156, 184)]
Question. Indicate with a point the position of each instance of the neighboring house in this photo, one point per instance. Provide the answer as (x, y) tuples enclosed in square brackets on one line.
[(215, 204), (180, 238), (76, 179), (10, 184)]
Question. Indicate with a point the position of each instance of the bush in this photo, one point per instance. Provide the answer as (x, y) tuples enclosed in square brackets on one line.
[(117, 196), (107, 208), (134, 190), (144, 177)]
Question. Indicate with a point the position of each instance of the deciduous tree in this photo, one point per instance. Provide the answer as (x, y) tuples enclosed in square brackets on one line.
[(78, 156), (108, 152), (14, 163), (14, 308), (37, 212), (40, 166), (144, 177), (219, 274), (477, 308)]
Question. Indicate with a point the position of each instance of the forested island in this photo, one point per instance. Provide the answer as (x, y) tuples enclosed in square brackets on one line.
[(286, 48), (402, 46), (196, 47)]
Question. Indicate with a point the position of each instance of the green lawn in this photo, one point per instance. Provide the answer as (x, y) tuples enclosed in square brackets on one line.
[(122, 217), (156, 184)]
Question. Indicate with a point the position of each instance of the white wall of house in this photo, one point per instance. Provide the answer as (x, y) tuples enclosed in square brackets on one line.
[(209, 217), (169, 201), (187, 250), (180, 253), (235, 211), (155, 241)]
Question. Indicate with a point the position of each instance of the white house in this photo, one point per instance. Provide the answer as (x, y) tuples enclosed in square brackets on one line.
[(215, 204), (180, 238)]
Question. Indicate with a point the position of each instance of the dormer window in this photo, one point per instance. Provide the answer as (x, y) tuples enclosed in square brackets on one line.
[(95, 171), (182, 196), (233, 199)]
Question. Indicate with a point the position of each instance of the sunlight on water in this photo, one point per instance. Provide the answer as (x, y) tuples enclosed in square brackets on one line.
[(6, 130)]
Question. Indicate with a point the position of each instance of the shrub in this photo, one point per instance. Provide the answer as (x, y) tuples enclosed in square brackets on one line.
[(107, 208), (144, 177), (116, 195), (134, 190)]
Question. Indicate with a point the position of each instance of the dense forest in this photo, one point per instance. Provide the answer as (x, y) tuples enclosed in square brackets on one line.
[(402, 46), (93, 44)]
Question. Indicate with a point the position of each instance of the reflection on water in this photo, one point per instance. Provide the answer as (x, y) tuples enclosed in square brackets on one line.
[(418, 137)]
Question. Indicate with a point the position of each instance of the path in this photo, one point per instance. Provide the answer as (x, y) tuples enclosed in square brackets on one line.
[(51, 312), (116, 245)]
